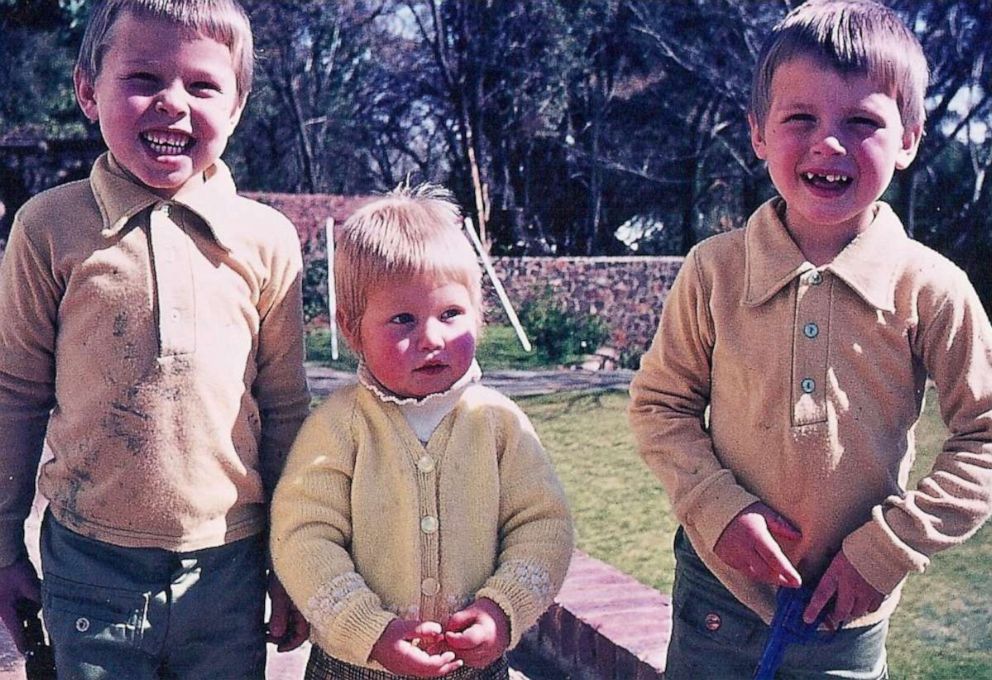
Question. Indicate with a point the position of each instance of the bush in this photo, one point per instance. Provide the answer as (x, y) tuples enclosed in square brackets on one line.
[(558, 334)]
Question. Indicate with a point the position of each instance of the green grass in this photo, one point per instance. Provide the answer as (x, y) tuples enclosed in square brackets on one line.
[(943, 627), (498, 349)]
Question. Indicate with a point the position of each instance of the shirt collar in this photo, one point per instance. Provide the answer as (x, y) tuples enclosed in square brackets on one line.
[(868, 264), (120, 197), (372, 384)]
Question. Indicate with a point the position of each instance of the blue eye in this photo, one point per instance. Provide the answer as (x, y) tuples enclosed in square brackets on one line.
[(449, 314), (865, 121), (800, 118), (402, 319)]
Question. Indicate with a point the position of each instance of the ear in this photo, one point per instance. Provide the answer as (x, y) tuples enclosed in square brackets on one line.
[(238, 110), (350, 332), (910, 145), (757, 137), (85, 94)]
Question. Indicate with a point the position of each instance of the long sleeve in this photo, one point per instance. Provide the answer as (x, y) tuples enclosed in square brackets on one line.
[(536, 534), (952, 501), (29, 299), (312, 532), (669, 397), (280, 386)]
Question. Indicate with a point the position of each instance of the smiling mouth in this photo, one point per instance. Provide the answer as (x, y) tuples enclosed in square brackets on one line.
[(168, 143), (826, 181)]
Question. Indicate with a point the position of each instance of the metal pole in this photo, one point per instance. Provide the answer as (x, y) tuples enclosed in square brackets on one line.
[(332, 305), (500, 292)]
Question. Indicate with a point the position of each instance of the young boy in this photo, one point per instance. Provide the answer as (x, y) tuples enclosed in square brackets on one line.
[(151, 320), (419, 524), (809, 336)]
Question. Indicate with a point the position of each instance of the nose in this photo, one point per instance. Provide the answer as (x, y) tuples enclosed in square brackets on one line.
[(431, 336), (829, 144), (171, 101)]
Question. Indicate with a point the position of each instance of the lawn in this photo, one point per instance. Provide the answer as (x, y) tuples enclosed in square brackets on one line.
[(943, 628)]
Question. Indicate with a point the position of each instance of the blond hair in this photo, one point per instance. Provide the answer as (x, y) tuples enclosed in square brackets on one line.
[(411, 232), (853, 36), (222, 20)]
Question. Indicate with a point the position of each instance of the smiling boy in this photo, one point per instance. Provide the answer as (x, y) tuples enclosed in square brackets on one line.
[(151, 325), (809, 337)]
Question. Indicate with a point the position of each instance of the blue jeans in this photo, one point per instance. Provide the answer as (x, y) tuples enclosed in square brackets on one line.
[(715, 636), (145, 613)]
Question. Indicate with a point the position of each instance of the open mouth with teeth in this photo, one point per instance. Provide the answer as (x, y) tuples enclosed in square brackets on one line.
[(826, 181), (167, 143)]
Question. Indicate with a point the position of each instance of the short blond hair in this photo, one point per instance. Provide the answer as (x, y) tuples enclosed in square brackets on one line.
[(409, 233), (852, 36), (222, 20)]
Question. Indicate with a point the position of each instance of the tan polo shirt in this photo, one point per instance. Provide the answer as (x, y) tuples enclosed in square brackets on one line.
[(814, 378), (165, 337)]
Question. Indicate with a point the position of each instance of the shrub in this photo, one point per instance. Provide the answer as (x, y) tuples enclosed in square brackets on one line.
[(557, 333)]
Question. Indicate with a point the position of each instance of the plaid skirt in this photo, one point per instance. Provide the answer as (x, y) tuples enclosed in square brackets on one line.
[(324, 667)]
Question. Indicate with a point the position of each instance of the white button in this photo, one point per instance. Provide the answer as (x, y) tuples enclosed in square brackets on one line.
[(816, 278), (425, 464), (82, 624), (811, 330), (428, 524), (808, 385), (430, 587)]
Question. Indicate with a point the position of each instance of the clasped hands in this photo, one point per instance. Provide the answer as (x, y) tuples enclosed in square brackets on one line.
[(751, 543), (475, 636)]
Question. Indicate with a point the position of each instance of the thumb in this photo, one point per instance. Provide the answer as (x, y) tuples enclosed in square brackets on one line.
[(459, 621)]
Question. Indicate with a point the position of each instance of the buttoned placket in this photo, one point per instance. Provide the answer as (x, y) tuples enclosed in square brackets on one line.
[(811, 328), (427, 482), (174, 284)]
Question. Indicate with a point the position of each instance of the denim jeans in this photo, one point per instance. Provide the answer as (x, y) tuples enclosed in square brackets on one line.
[(146, 613), (715, 636)]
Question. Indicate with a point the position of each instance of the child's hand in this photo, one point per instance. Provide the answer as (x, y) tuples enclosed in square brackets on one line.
[(854, 595), (480, 633), (287, 628), (749, 544), (411, 648), (18, 581)]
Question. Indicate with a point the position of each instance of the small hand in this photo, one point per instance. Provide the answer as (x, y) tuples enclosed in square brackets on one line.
[(480, 633), (855, 597), (749, 544), (18, 581), (287, 628), (410, 648)]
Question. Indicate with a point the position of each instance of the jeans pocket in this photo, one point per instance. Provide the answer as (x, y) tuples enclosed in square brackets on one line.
[(79, 612)]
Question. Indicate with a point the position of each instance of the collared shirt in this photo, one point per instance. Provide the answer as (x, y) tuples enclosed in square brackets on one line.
[(814, 379), (166, 339)]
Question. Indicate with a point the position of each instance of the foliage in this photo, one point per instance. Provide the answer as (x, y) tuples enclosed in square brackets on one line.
[(556, 123), (557, 332)]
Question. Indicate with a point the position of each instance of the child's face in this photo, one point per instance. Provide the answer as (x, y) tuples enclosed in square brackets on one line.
[(418, 338), (832, 142), (166, 101)]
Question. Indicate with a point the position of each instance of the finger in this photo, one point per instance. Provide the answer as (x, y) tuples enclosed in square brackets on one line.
[(778, 566), (466, 639), (278, 625), (299, 631), (821, 596), (427, 628), (460, 620)]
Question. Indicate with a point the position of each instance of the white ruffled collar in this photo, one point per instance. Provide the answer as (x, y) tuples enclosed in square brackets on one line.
[(369, 381)]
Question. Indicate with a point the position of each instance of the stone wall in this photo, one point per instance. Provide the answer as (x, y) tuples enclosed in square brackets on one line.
[(627, 292)]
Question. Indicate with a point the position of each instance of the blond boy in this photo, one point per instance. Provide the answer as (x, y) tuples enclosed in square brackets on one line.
[(809, 336), (419, 524), (151, 322)]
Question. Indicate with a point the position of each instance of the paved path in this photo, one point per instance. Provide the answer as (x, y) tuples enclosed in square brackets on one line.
[(323, 380), (511, 383)]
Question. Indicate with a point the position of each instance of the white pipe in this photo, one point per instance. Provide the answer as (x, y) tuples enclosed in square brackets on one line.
[(332, 304), (500, 292)]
